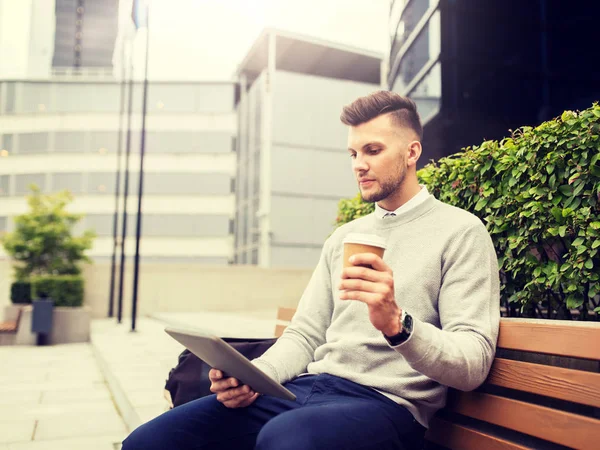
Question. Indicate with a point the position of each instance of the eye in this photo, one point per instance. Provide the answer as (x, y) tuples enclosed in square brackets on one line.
[(373, 151), (352, 155)]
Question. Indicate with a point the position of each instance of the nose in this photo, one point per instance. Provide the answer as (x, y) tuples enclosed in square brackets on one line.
[(359, 164)]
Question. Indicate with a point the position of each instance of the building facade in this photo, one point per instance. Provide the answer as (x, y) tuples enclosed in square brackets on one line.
[(479, 69), (63, 134), (293, 165)]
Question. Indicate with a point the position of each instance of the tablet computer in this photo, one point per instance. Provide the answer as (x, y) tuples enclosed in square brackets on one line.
[(219, 354)]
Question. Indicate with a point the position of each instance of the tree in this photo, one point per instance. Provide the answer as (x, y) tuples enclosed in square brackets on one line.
[(43, 243)]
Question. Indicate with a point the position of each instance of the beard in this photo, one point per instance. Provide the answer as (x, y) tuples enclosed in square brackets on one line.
[(387, 187)]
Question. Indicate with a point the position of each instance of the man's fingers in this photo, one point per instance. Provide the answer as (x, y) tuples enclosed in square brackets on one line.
[(353, 284), (365, 297), (234, 394), (370, 259), (215, 374), (363, 273), (242, 401), (219, 385)]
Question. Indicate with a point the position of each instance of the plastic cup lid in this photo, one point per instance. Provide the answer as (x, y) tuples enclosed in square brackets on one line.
[(365, 239)]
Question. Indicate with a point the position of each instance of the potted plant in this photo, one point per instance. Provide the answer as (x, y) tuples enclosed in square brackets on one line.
[(46, 259)]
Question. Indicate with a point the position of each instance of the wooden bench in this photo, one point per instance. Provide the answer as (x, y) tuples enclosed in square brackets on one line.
[(543, 391), (11, 326)]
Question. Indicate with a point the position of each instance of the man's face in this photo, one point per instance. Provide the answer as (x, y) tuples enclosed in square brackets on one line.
[(379, 149)]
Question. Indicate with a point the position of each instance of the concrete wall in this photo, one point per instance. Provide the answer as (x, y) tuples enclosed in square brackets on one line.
[(187, 287)]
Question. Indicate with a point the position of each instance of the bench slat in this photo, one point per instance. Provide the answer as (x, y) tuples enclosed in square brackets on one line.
[(285, 314), (556, 382), (458, 437), (571, 430), (8, 327), (554, 337), (279, 329)]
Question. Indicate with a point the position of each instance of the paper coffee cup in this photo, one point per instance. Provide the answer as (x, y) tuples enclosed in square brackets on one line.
[(355, 243)]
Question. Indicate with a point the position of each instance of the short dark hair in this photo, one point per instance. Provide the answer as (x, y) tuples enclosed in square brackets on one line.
[(403, 109)]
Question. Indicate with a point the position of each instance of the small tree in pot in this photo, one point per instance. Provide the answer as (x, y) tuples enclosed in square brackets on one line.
[(43, 247)]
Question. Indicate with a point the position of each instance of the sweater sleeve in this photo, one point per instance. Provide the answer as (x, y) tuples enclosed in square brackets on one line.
[(460, 354), (294, 350)]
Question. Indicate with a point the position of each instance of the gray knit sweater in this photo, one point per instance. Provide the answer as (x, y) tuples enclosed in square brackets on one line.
[(445, 276)]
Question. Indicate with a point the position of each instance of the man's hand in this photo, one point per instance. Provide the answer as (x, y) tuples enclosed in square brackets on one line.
[(229, 390), (374, 286)]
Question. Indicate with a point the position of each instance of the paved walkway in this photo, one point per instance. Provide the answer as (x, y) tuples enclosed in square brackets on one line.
[(136, 364), (90, 396), (55, 398)]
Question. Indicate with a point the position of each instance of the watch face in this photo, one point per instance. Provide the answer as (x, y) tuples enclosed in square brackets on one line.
[(407, 323)]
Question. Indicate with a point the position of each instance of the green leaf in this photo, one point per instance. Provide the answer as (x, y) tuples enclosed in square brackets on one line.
[(596, 243), (562, 231), (577, 242), (566, 190), (595, 225), (481, 204), (550, 168), (574, 302), (589, 264)]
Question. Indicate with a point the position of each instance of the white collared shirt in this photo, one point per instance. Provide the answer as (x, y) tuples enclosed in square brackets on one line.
[(415, 201)]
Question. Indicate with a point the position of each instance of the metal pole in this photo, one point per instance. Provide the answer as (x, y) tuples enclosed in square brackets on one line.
[(111, 302), (141, 181), (126, 188)]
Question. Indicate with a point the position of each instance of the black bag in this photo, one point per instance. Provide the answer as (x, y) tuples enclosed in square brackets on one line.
[(189, 379)]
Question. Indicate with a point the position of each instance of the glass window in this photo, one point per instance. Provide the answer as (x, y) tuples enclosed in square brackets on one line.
[(33, 142), (69, 141), (105, 141), (11, 97), (70, 181), (424, 48), (87, 97), (411, 15), (23, 181), (102, 182), (7, 142), (35, 98), (4, 185)]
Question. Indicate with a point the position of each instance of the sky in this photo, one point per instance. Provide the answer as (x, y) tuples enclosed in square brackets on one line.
[(206, 39)]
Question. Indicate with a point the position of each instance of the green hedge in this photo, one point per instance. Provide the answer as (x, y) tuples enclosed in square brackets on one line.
[(65, 290), (538, 192), (20, 292)]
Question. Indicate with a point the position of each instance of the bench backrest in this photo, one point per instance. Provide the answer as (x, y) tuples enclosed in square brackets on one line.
[(527, 401), (11, 326)]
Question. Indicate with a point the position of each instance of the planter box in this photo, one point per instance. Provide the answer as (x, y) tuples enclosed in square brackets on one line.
[(70, 325)]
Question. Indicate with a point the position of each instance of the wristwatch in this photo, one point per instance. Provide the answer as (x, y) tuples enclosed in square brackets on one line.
[(406, 322)]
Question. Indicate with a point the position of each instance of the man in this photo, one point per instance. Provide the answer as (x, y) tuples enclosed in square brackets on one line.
[(370, 350)]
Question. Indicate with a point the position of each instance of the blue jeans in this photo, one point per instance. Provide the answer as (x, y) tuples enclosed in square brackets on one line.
[(329, 413)]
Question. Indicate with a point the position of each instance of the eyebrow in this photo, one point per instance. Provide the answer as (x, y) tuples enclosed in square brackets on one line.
[(368, 144)]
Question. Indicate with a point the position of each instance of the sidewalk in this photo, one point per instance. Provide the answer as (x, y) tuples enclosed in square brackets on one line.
[(90, 396), (55, 398), (136, 364)]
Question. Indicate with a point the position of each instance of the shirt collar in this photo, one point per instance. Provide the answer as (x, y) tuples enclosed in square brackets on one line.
[(415, 201)]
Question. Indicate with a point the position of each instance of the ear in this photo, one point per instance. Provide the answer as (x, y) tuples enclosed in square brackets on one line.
[(414, 153)]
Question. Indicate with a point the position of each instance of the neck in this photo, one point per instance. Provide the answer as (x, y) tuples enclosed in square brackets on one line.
[(405, 192)]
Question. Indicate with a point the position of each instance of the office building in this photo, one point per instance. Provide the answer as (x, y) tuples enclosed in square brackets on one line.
[(293, 165), (477, 69), (63, 134), (86, 32)]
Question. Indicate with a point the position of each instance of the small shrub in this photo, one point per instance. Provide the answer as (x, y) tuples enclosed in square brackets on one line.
[(20, 292), (65, 290)]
